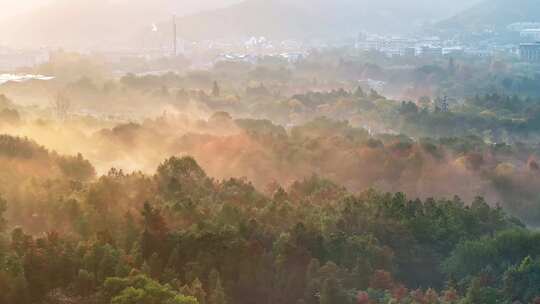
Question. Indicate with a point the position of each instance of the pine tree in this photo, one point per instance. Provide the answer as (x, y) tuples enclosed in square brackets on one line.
[(145, 269), (312, 281), (155, 266), (174, 259), (213, 278), (168, 275), (131, 232), (84, 282), (155, 231), (19, 292), (107, 264), (331, 292), (3, 209), (197, 291), (217, 294), (136, 255)]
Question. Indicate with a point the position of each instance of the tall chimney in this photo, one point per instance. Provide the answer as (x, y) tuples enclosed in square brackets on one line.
[(174, 36)]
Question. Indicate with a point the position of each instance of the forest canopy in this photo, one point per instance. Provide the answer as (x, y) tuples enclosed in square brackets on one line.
[(345, 177)]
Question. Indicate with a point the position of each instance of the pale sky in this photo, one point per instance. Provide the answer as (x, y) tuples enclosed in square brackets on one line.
[(13, 7), (9, 8), (43, 22)]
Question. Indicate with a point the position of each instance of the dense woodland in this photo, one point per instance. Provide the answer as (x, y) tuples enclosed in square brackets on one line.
[(271, 183), (180, 236)]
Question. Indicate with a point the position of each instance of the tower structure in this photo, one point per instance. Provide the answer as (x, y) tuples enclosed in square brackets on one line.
[(175, 40), (444, 104)]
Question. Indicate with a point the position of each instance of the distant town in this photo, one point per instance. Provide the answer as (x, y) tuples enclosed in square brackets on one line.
[(522, 43)]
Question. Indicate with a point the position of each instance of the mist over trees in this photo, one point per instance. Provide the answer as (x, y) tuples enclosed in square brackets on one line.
[(180, 236), (325, 211), (302, 165)]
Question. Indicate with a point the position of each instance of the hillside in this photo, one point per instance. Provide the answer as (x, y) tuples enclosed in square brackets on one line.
[(316, 18), (119, 23), (494, 14)]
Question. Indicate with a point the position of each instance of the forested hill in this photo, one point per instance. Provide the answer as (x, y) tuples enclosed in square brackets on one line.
[(494, 14), (181, 237)]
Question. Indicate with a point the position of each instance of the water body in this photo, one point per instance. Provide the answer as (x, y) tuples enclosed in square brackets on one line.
[(4, 78)]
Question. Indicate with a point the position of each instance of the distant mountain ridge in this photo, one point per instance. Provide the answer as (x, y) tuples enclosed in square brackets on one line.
[(317, 18), (106, 23), (493, 14)]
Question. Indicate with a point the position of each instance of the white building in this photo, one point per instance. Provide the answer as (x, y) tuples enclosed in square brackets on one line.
[(431, 51), (532, 34)]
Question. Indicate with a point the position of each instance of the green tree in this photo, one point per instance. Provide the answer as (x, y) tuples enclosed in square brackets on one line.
[(36, 273), (332, 292), (182, 178), (141, 290), (313, 283), (155, 266), (20, 292), (522, 282), (84, 282), (217, 293), (479, 293), (131, 232), (155, 232), (174, 259), (3, 209), (197, 291), (107, 264)]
